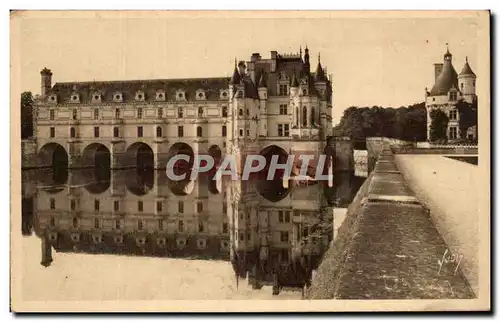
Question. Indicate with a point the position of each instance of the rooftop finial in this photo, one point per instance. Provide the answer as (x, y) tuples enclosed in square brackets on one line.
[(300, 50), (319, 57), (466, 59)]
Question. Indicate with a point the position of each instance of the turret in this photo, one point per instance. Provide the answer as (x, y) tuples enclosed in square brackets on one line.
[(467, 80), (235, 80), (294, 86), (262, 115), (307, 66), (46, 81)]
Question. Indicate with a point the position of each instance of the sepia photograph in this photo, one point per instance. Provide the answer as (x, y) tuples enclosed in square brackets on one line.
[(294, 161)]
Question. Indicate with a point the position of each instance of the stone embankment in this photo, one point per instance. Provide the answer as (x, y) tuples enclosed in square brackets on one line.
[(388, 247)]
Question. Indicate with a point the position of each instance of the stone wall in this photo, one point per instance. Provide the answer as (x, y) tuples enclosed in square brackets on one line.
[(28, 154)]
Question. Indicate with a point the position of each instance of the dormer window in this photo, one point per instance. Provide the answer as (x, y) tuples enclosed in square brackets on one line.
[(139, 96), (52, 98), (224, 95), (201, 243), (180, 95), (453, 95), (181, 242), (304, 92), (96, 98), (117, 97), (75, 98), (160, 96), (200, 94)]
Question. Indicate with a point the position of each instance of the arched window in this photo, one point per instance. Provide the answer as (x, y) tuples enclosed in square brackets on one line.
[(75, 222), (199, 131), (72, 132), (304, 116), (297, 117), (180, 112), (224, 111), (159, 133), (224, 130), (313, 116)]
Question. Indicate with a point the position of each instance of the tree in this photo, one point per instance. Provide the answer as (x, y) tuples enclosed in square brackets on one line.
[(439, 125), (467, 116), (26, 115)]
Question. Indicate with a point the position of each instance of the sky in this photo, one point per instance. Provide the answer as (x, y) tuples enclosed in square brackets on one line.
[(374, 61)]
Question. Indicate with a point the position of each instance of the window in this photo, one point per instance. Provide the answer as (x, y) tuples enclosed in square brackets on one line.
[(180, 112), (52, 203), (304, 116), (200, 111), (96, 131), (453, 132), (240, 112), (52, 221), (283, 109), (284, 236), (75, 222), (75, 114), (139, 132), (159, 133), (284, 255), (118, 224), (116, 205), (224, 111), (283, 90), (161, 224), (225, 228), (96, 114), (52, 132), (73, 204), (224, 130), (96, 223), (248, 111), (249, 235), (140, 206), (248, 132), (97, 205), (181, 226), (201, 227), (52, 115), (72, 132), (224, 208), (462, 86), (140, 225), (280, 216), (304, 92), (287, 216), (117, 113), (160, 112), (180, 131), (181, 207), (199, 131), (159, 206), (453, 96), (242, 237), (283, 129), (199, 207), (139, 113), (116, 132), (241, 132), (453, 115), (313, 116)]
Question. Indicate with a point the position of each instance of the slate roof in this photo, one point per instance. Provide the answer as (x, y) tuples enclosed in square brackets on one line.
[(467, 70), (212, 86), (446, 80)]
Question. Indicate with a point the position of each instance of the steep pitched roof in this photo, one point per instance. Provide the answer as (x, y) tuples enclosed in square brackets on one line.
[(446, 80), (467, 70), (129, 88)]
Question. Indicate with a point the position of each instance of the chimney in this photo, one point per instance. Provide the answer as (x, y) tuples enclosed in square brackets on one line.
[(437, 70), (46, 252), (46, 81), (274, 56), (255, 57)]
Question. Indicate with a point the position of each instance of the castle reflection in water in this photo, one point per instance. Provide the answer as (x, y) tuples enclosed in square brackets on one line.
[(270, 234)]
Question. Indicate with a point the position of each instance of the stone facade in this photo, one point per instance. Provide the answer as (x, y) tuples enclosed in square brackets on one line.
[(267, 102)]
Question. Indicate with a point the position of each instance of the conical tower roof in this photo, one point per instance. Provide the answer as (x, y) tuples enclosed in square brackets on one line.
[(236, 78), (320, 73), (295, 82), (466, 71), (446, 79)]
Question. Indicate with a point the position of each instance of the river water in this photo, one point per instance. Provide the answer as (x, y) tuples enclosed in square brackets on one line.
[(135, 235)]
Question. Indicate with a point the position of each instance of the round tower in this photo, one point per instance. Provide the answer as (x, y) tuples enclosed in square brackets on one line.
[(46, 81), (467, 81)]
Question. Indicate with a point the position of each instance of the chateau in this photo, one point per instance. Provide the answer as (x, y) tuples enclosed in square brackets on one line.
[(449, 88), (269, 106)]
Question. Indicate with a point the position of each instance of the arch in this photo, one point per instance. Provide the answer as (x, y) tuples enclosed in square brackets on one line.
[(181, 187), (215, 152), (185, 186), (141, 155), (97, 180), (140, 181), (272, 190), (96, 155), (54, 155)]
